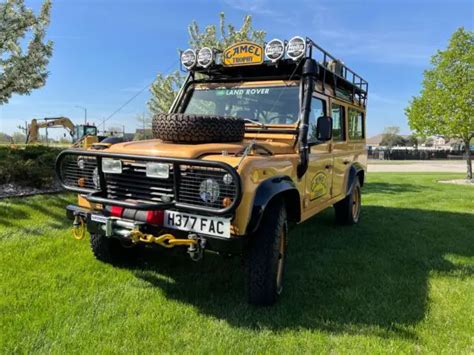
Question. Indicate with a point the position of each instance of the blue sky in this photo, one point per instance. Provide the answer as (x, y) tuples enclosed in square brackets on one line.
[(106, 51)]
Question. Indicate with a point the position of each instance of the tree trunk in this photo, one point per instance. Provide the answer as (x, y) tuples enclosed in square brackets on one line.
[(467, 148)]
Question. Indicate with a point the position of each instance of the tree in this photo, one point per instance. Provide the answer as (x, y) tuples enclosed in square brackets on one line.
[(391, 137), (23, 63), (446, 102), (165, 87)]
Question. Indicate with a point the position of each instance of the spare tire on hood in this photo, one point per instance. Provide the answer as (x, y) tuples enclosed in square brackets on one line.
[(187, 128)]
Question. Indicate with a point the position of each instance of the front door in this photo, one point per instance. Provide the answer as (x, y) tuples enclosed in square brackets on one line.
[(320, 167)]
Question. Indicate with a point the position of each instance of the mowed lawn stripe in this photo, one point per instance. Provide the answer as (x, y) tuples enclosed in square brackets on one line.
[(400, 281)]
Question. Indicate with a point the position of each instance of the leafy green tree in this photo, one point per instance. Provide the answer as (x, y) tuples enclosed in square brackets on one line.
[(446, 102), (165, 87), (23, 64)]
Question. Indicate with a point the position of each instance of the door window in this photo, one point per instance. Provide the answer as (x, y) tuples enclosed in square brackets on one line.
[(318, 109), (338, 123)]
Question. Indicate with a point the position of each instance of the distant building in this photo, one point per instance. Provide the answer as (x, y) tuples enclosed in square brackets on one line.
[(375, 140)]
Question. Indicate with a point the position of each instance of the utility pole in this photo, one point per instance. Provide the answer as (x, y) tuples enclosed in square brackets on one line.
[(85, 113)]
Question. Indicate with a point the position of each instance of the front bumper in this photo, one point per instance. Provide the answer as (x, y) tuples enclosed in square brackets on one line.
[(233, 245)]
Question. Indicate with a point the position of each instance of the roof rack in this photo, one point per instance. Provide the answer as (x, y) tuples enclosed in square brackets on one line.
[(338, 74), (346, 83)]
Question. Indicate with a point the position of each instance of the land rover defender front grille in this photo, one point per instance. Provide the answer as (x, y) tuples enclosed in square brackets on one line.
[(191, 184), (79, 172), (133, 184)]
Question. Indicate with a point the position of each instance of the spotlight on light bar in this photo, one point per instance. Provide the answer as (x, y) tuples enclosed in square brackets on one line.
[(188, 58), (205, 57), (274, 50), (296, 48)]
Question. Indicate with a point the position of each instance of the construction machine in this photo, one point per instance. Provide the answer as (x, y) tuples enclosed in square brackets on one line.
[(82, 135)]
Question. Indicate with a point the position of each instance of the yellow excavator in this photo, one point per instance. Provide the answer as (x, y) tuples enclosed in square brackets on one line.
[(82, 135)]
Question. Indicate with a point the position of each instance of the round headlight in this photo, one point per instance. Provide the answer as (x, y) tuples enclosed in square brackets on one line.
[(209, 190), (296, 47), (188, 58), (205, 57), (275, 49)]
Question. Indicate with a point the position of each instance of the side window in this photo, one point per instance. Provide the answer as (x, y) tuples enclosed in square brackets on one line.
[(338, 123), (356, 125), (318, 108)]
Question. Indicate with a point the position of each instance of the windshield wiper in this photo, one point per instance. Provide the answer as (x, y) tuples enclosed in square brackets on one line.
[(262, 125)]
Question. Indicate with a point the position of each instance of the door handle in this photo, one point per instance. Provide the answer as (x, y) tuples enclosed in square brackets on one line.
[(328, 166), (346, 162)]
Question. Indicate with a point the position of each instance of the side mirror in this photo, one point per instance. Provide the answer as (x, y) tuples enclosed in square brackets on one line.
[(324, 128)]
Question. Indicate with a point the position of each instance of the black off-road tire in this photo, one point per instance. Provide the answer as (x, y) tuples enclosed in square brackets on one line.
[(184, 128), (348, 210), (262, 259), (110, 250)]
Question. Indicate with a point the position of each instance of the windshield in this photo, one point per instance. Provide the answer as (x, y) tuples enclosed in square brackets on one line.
[(267, 104)]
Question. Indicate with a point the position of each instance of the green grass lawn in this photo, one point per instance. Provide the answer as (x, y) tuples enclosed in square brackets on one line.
[(400, 281)]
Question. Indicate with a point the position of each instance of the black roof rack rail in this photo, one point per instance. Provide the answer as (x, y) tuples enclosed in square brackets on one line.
[(338, 74)]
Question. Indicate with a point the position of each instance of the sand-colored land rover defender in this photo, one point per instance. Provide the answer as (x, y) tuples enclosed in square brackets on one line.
[(257, 137)]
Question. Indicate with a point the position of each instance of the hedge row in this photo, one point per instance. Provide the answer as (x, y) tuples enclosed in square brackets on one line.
[(28, 166)]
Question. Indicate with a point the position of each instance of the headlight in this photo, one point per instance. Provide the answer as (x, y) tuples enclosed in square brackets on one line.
[(275, 49), (188, 58), (111, 166), (296, 48), (205, 57), (209, 190), (158, 170)]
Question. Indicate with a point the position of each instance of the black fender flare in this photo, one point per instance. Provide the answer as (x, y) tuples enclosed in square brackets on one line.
[(265, 192), (354, 170)]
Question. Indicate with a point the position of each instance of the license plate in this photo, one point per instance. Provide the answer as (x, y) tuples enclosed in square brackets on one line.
[(98, 218), (215, 226)]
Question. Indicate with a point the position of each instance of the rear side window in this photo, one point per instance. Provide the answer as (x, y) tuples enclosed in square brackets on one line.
[(356, 125), (338, 120)]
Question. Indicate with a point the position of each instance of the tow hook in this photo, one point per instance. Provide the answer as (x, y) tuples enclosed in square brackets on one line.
[(78, 228), (196, 250)]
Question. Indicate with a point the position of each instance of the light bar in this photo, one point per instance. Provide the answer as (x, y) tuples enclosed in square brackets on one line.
[(188, 59), (296, 47), (275, 50), (205, 57)]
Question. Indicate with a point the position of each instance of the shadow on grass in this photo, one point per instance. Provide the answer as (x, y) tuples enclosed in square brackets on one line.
[(372, 274), (390, 188), (51, 207)]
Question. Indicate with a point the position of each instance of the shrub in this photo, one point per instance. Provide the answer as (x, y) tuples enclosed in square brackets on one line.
[(29, 166)]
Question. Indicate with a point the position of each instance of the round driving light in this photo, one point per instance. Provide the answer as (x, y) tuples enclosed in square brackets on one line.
[(205, 57), (188, 58), (228, 179), (296, 47), (209, 190), (275, 49)]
